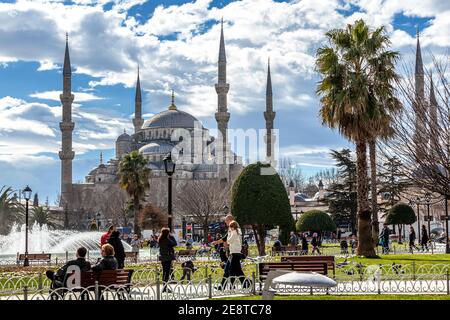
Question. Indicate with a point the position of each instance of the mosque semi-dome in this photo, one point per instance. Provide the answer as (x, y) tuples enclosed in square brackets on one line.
[(172, 118), (156, 148)]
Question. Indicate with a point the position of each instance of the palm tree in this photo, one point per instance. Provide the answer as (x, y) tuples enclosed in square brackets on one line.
[(352, 97), (41, 215), (134, 175), (10, 209)]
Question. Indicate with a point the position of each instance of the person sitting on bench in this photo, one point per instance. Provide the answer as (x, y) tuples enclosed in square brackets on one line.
[(58, 277), (108, 262)]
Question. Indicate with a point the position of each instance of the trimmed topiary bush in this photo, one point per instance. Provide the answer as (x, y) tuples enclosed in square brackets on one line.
[(315, 221), (259, 199), (401, 213)]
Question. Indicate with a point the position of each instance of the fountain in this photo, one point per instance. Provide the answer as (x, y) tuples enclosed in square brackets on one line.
[(42, 239)]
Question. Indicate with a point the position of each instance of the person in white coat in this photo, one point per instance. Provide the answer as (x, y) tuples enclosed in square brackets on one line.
[(234, 240)]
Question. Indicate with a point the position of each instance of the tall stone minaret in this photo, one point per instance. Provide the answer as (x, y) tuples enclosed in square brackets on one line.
[(66, 125), (222, 115), (269, 115), (419, 103), (434, 125), (137, 120)]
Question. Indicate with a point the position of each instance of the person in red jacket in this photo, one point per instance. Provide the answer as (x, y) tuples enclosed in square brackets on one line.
[(105, 237)]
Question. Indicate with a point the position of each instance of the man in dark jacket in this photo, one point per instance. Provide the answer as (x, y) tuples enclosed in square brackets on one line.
[(119, 251), (58, 277)]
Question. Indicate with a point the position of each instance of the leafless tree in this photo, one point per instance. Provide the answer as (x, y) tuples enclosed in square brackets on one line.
[(152, 217), (203, 200), (421, 138), (289, 172)]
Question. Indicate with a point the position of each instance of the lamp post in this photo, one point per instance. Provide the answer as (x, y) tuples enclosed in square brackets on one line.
[(169, 167), (447, 246), (418, 218), (428, 200), (27, 195)]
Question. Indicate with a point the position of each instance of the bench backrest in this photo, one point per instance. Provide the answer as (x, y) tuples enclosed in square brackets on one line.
[(105, 277), (36, 256), (327, 259), (188, 253), (319, 267)]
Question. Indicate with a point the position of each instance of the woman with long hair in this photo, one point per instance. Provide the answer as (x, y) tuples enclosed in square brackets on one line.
[(166, 254), (234, 240)]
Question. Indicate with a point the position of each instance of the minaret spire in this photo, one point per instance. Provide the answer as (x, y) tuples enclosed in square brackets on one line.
[(66, 125), (222, 115), (420, 105), (172, 105), (101, 157), (433, 124), (269, 116), (137, 120)]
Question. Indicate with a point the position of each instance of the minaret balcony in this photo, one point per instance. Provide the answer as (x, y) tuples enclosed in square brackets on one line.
[(269, 116), (66, 126), (222, 88), (222, 116), (64, 97), (66, 155)]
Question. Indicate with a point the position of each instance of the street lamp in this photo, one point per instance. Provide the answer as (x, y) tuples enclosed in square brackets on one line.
[(169, 167), (27, 195), (418, 218), (428, 200)]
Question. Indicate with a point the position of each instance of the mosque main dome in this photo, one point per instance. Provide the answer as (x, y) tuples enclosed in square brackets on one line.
[(172, 118)]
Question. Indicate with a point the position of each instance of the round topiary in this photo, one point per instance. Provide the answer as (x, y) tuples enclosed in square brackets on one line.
[(259, 198), (401, 213), (315, 221)]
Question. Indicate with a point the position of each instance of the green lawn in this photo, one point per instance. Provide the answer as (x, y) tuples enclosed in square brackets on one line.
[(402, 259), (351, 297)]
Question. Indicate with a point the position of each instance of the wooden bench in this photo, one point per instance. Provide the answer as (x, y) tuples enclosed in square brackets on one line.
[(187, 254), (331, 264), (131, 256), (113, 279), (35, 257), (307, 266), (288, 248)]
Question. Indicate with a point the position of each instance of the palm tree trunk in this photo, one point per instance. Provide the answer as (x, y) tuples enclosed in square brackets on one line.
[(373, 192), (365, 243), (137, 229)]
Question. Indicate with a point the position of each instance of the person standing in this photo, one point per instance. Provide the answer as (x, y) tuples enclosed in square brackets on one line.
[(384, 239), (293, 239), (119, 251), (412, 239), (225, 253), (166, 243), (425, 239), (234, 239), (304, 244), (105, 236), (315, 243)]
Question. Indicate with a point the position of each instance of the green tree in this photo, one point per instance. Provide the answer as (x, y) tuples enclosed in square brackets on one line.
[(341, 202), (41, 215), (259, 199), (392, 183), (134, 175), (11, 210), (315, 221), (400, 214), (353, 90)]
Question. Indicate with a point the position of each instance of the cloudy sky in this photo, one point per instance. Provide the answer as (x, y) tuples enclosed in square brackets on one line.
[(175, 43)]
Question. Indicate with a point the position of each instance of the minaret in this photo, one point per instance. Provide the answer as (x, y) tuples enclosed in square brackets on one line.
[(222, 115), (66, 125), (269, 115), (419, 103), (433, 125), (138, 121)]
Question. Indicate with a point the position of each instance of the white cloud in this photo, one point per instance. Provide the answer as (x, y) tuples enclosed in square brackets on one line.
[(54, 96)]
